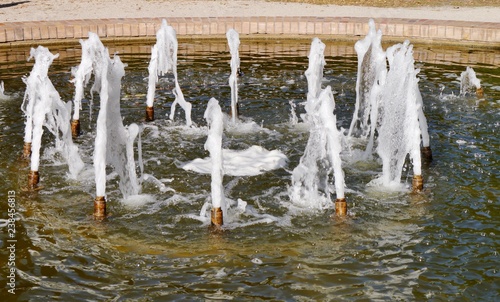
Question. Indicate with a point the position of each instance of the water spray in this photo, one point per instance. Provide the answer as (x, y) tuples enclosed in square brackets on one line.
[(213, 115), (233, 39)]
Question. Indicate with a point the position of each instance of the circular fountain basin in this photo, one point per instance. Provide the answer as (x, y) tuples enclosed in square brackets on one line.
[(441, 243)]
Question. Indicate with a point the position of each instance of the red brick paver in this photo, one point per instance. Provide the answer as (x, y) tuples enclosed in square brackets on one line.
[(425, 30)]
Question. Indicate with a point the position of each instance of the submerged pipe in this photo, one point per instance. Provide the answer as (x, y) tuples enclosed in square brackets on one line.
[(33, 179), (340, 207), (75, 128), (216, 217), (426, 154), (26, 151), (150, 114), (417, 183), (99, 208), (236, 111)]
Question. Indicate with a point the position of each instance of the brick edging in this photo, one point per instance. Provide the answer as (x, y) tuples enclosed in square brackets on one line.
[(460, 32)]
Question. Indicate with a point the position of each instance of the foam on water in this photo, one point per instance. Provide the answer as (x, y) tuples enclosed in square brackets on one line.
[(249, 162)]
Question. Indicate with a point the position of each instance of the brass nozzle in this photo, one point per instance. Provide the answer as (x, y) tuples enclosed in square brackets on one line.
[(216, 217), (150, 114), (99, 208), (340, 207), (75, 128), (417, 183), (33, 179), (480, 92)]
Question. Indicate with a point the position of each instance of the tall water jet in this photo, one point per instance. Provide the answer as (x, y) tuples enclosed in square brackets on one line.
[(372, 71), (43, 106), (469, 82), (399, 132), (92, 50), (163, 60), (214, 117), (113, 142), (311, 178), (233, 39)]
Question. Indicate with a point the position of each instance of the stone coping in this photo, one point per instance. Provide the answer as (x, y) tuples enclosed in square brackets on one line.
[(485, 34)]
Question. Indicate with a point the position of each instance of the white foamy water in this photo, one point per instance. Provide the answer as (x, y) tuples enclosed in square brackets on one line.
[(249, 162)]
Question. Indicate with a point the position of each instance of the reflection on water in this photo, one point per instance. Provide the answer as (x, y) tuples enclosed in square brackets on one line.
[(439, 245)]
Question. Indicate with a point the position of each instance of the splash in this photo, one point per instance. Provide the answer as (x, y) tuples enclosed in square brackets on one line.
[(3, 96), (469, 81), (389, 107), (43, 106), (399, 132), (311, 178), (163, 60)]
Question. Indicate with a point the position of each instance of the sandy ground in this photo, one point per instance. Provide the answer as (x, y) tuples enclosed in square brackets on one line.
[(44, 10)]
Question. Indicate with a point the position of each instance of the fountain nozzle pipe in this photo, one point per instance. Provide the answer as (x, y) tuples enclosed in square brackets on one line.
[(99, 208), (479, 92), (75, 128), (426, 153), (340, 207), (26, 151), (417, 183), (33, 179), (150, 114), (216, 217)]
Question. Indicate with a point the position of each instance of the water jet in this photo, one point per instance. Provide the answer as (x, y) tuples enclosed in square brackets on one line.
[(163, 60), (233, 39)]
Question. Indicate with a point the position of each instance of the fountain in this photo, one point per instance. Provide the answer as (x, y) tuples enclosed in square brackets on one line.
[(372, 71), (163, 60), (277, 247), (43, 106), (114, 143), (213, 115), (385, 99), (399, 130), (469, 82), (310, 179)]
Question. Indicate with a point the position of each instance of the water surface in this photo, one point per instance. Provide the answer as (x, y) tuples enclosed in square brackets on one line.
[(439, 245)]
